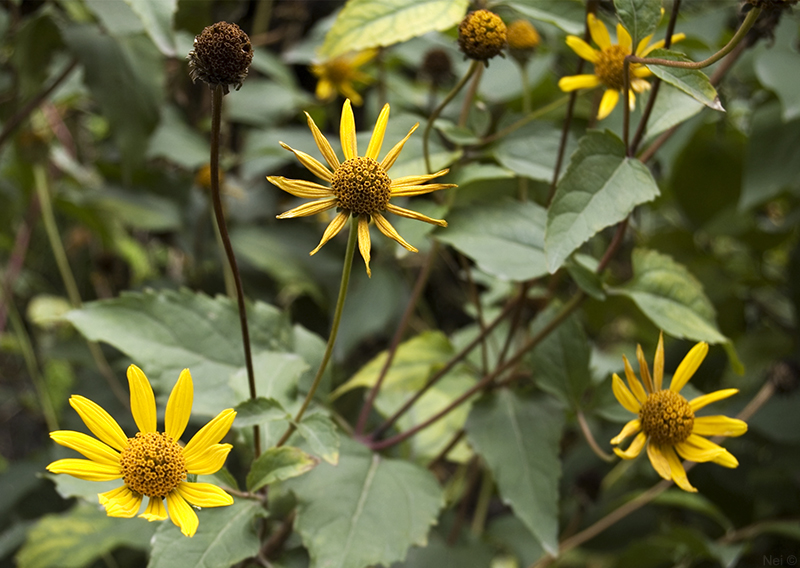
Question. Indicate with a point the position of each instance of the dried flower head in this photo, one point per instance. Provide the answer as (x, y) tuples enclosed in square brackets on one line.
[(221, 56), (437, 66), (523, 39), (482, 35)]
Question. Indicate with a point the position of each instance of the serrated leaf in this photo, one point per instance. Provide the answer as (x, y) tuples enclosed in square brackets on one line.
[(258, 411), (363, 24), (156, 16), (505, 238), (693, 82), (323, 439), (379, 509), (78, 537), (225, 536), (519, 439), (639, 17), (600, 188), (279, 464), (568, 15)]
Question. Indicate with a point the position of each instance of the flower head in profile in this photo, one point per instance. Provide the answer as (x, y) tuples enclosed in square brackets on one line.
[(151, 464), (340, 74), (360, 186), (667, 424), (608, 64)]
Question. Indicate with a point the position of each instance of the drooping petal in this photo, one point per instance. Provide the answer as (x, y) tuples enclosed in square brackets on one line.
[(209, 434), (416, 180), (143, 401), (623, 395), (155, 510), (624, 39), (583, 49), (414, 215), (310, 163), (99, 422), (179, 406), (697, 449), (726, 459), (640, 72), (332, 229), (204, 494), (120, 502), (391, 157), (629, 429), (311, 208), (718, 426), (688, 366), (411, 190), (300, 188), (575, 82), (639, 85), (644, 369), (599, 32), (376, 140), (706, 399), (643, 45), (633, 382), (607, 103), (209, 461), (658, 460), (325, 90), (364, 243), (90, 447), (677, 472), (385, 227), (659, 44), (658, 363), (182, 514), (322, 143), (634, 449), (347, 132), (86, 469)]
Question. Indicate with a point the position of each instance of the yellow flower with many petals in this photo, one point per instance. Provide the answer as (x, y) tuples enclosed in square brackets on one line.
[(151, 464), (608, 64), (360, 186), (340, 73), (667, 423)]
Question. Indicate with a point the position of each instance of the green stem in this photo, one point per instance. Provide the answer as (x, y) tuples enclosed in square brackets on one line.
[(538, 113), (230, 282), (352, 239), (470, 96)]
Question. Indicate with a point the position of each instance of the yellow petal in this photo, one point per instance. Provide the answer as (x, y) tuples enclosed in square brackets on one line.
[(411, 190), (658, 363), (347, 132), (348, 92), (643, 45), (99, 422), (332, 229), (179, 406), (308, 209), (697, 449), (624, 39), (90, 447), (209, 434), (416, 180), (629, 429), (726, 459), (640, 85), (86, 469), (311, 164), (182, 514), (120, 502), (644, 370), (155, 510), (599, 32), (624, 396), (631, 100), (633, 382), (414, 215), (676, 470), (391, 157), (325, 90), (143, 402), (386, 228), (634, 449), (607, 103), (658, 459), (376, 140), (209, 461), (706, 399), (583, 49), (719, 426), (322, 143), (204, 494), (641, 72), (688, 366), (575, 82), (364, 244), (659, 44), (300, 188)]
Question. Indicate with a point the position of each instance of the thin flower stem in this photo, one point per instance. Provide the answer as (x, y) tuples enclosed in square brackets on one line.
[(482, 506), (216, 122), (587, 433), (352, 239), (438, 110), (17, 259), (419, 286), (476, 300), (466, 106), (227, 275)]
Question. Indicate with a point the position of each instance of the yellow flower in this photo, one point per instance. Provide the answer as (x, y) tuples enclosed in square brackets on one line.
[(667, 423), (608, 64), (152, 463), (359, 186), (339, 74)]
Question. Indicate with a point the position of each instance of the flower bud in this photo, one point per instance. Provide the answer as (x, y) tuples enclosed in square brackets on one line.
[(221, 56), (482, 35)]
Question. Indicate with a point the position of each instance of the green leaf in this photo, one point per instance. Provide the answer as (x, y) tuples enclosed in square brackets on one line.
[(320, 433), (583, 270), (505, 238), (117, 17), (258, 411), (639, 17), (693, 82), (519, 439), (225, 536), (144, 211), (156, 16), (778, 69), (694, 502), (364, 24), (600, 188), (76, 538), (532, 150), (279, 464), (568, 15), (175, 141), (379, 508), (672, 107)]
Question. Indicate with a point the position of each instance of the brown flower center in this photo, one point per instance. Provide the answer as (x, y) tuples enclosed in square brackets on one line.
[(361, 186), (481, 35), (609, 67), (152, 464), (667, 417)]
